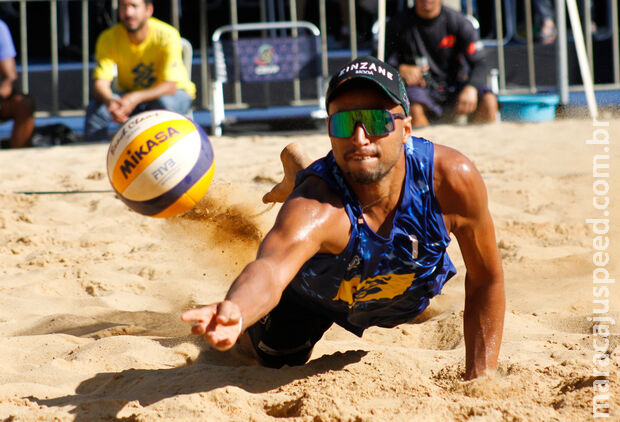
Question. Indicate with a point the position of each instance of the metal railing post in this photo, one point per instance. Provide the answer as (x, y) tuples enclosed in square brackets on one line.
[(352, 29), (588, 32), (54, 46), (23, 46), (615, 43), (204, 64), (530, 46), (562, 51), (295, 33), (85, 76), (323, 27), (501, 64), (235, 36), (174, 8)]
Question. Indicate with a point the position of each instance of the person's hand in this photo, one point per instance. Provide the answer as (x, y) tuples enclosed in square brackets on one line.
[(467, 101), (6, 89), (219, 323), (128, 103), (412, 75), (116, 110)]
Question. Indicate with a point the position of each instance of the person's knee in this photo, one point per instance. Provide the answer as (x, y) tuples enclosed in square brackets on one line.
[(418, 115), (179, 102), (23, 106), (489, 101), (487, 108)]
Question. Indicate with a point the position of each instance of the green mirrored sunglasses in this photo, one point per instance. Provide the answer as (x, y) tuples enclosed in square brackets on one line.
[(376, 122)]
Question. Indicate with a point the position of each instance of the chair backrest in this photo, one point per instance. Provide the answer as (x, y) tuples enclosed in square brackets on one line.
[(288, 51), (188, 54)]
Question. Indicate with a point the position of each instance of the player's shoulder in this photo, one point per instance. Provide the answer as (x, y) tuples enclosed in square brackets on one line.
[(457, 182), (457, 21), (314, 189), (313, 200), (163, 30), (452, 165), (315, 213)]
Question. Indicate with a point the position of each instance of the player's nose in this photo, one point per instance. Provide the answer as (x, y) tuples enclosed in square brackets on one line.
[(359, 136)]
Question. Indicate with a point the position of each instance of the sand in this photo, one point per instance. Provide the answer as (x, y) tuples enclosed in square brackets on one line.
[(91, 292)]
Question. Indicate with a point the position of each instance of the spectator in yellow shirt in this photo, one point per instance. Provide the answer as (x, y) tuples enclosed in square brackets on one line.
[(144, 54)]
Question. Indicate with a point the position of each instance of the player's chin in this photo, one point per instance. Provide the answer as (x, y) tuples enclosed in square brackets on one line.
[(365, 174)]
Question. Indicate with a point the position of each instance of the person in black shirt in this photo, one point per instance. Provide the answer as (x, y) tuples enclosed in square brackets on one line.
[(438, 53)]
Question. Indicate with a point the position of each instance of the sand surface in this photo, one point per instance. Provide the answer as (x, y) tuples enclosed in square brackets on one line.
[(91, 292)]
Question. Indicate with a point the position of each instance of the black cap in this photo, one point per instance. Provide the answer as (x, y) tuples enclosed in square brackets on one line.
[(374, 70)]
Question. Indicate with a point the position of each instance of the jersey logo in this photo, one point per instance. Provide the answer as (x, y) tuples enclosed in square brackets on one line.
[(379, 287), (355, 262), (143, 75), (447, 41), (471, 48)]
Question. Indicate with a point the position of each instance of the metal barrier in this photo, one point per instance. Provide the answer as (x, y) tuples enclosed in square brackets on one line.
[(600, 41)]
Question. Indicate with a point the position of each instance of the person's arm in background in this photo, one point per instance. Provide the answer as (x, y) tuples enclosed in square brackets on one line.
[(103, 75), (400, 51), (8, 73), (8, 69)]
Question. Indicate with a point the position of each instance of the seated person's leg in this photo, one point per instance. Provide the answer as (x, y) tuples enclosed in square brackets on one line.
[(287, 335), (425, 105), (486, 112), (96, 122), (19, 108), (418, 115), (179, 102)]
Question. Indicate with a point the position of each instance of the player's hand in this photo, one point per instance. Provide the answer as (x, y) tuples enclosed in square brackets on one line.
[(467, 101), (219, 323), (412, 75)]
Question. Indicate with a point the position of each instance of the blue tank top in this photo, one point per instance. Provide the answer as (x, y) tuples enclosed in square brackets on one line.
[(376, 280)]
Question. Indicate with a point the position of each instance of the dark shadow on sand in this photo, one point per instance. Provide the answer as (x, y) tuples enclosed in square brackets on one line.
[(104, 395)]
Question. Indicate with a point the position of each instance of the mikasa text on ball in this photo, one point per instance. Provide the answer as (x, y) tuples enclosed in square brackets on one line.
[(160, 163)]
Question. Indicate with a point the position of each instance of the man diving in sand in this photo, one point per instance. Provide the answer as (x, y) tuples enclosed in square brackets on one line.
[(361, 238)]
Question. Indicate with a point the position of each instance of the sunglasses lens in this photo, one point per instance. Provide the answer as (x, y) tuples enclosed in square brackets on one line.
[(376, 122)]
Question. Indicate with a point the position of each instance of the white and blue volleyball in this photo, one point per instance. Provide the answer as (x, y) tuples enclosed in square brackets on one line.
[(160, 163)]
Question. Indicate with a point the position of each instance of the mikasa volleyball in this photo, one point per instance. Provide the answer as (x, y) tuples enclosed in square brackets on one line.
[(160, 163)]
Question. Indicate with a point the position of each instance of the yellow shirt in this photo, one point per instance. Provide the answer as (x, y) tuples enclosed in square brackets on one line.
[(157, 59)]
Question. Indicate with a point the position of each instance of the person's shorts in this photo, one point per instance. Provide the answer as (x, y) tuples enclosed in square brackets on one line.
[(436, 102), (287, 335)]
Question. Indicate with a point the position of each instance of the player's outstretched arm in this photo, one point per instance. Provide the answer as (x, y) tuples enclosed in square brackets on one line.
[(463, 198), (305, 225)]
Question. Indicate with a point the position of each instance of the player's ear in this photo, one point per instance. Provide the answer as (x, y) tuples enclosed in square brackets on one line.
[(407, 129)]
